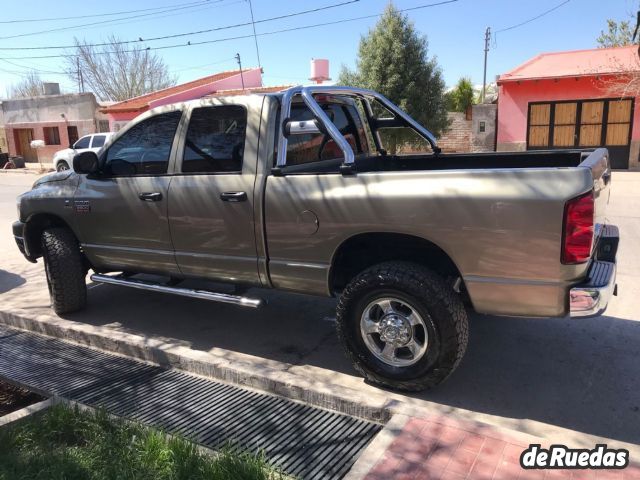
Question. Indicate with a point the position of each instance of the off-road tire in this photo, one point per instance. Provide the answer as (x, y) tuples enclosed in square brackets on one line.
[(437, 303), (65, 270)]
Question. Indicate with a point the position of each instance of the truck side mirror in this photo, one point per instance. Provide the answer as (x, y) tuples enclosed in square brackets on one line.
[(85, 162)]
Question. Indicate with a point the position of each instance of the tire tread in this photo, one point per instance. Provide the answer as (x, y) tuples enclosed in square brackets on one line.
[(66, 271), (452, 322)]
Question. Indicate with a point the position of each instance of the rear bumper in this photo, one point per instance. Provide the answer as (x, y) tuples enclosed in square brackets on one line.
[(591, 297)]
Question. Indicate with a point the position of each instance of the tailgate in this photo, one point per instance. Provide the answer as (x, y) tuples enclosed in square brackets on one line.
[(598, 162), (591, 296)]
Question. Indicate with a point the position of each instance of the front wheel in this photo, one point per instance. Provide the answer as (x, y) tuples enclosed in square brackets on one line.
[(402, 326), (63, 264), (62, 166)]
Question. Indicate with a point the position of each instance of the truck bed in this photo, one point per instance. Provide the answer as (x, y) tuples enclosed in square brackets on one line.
[(450, 161)]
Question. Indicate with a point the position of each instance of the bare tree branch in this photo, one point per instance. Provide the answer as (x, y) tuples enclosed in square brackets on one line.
[(117, 72), (30, 86)]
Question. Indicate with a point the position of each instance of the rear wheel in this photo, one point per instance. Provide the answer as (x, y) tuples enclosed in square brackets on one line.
[(63, 263), (62, 166), (402, 326)]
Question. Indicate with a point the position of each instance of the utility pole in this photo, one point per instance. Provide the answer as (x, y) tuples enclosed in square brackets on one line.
[(255, 37), (487, 38), (240, 65)]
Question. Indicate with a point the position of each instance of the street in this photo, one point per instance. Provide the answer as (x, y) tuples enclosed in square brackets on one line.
[(571, 381)]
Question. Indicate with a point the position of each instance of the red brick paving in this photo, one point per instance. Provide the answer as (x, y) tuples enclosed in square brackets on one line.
[(441, 448)]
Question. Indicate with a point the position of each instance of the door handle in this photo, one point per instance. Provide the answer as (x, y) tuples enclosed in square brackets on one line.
[(233, 196), (150, 196)]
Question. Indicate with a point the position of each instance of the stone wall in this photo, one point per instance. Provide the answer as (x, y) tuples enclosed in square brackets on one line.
[(483, 128), (458, 136), (475, 135)]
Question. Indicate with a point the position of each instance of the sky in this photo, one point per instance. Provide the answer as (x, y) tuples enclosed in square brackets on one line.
[(455, 33)]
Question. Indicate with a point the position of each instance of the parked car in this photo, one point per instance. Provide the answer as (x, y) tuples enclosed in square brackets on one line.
[(297, 191), (63, 159)]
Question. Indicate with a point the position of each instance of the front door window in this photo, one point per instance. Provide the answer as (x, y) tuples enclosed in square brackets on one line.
[(145, 148)]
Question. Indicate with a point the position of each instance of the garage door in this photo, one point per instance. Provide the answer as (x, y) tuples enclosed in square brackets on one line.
[(583, 124)]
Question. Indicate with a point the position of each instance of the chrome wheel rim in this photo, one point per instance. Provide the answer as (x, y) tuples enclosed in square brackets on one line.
[(62, 167), (394, 332)]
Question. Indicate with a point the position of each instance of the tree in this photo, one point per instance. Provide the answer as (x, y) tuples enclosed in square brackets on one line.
[(392, 59), (618, 34), (462, 96), (30, 86), (627, 81), (117, 71)]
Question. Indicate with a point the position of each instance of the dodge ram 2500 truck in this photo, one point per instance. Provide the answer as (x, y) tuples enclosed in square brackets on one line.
[(298, 191)]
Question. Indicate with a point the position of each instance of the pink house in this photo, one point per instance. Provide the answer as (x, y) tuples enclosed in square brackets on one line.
[(120, 113), (574, 99)]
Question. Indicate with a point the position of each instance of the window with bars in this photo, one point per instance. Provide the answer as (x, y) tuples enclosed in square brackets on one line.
[(51, 136)]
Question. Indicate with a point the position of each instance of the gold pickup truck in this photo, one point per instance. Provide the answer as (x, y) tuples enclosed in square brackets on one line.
[(298, 191)]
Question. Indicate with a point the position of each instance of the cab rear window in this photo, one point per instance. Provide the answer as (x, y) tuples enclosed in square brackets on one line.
[(314, 147)]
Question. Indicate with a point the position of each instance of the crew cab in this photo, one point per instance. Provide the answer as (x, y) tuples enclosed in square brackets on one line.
[(298, 191)]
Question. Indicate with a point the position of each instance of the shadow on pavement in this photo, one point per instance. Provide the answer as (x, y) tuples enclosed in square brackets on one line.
[(9, 281), (578, 374), (581, 374)]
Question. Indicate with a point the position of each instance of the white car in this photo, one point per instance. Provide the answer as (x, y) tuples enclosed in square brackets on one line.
[(63, 159)]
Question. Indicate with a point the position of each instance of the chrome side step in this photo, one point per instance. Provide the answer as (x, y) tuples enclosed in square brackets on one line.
[(184, 292)]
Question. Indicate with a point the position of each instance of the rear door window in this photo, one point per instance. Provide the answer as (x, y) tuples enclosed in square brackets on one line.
[(98, 141), (215, 140), (314, 147)]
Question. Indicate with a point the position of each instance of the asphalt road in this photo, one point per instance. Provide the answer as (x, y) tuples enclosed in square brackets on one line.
[(570, 380)]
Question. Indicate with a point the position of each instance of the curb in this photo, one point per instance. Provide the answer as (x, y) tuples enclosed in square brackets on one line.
[(33, 171), (375, 450), (25, 412), (270, 376), (231, 367)]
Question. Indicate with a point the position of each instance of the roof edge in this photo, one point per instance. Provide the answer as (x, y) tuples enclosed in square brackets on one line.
[(564, 52), (558, 77), (114, 108)]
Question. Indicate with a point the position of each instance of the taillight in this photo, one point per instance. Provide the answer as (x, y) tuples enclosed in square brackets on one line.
[(577, 235)]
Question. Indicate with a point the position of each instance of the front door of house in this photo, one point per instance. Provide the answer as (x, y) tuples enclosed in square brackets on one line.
[(583, 124), (25, 136)]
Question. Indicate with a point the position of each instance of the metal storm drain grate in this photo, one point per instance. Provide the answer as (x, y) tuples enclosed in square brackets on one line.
[(303, 441)]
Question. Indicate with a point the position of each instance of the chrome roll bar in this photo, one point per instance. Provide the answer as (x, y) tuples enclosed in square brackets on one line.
[(307, 96)]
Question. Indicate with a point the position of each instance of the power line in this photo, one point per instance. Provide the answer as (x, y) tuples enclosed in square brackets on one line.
[(173, 9), (28, 69), (239, 37), (197, 32), (533, 18), (50, 19), (43, 70), (255, 38), (198, 67)]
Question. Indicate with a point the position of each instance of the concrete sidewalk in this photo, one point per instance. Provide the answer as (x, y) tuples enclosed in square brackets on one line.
[(440, 447)]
